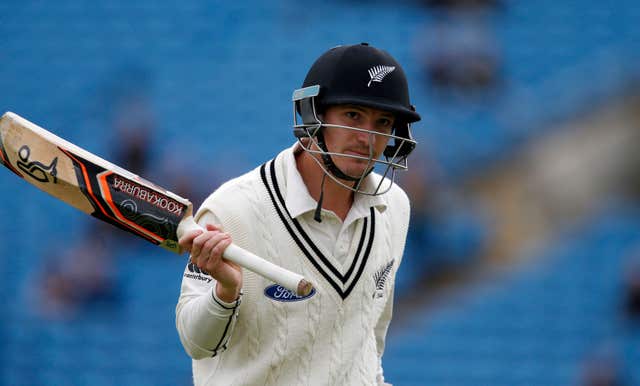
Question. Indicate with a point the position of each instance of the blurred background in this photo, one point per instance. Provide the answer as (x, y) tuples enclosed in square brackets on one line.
[(522, 266)]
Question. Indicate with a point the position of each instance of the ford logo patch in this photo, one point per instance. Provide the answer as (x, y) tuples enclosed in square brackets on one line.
[(281, 294)]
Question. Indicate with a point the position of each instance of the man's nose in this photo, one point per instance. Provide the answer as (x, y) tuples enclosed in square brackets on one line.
[(366, 133)]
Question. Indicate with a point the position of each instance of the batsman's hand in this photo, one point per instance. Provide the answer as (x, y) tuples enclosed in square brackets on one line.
[(205, 249)]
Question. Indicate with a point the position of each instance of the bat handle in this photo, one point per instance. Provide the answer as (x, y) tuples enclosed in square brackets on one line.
[(290, 280)]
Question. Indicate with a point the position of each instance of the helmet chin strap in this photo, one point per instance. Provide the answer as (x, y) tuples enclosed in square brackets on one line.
[(331, 166), (316, 214)]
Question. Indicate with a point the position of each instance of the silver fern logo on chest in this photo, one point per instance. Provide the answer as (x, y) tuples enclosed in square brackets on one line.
[(378, 73), (380, 278)]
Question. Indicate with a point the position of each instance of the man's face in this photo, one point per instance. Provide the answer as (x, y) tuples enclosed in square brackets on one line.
[(364, 144)]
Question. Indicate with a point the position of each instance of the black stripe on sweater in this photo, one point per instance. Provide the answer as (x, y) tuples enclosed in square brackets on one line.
[(224, 339), (293, 235), (317, 259)]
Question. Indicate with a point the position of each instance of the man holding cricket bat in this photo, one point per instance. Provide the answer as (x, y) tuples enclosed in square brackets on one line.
[(317, 208)]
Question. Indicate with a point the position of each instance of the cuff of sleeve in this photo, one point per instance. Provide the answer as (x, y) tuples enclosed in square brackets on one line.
[(222, 306)]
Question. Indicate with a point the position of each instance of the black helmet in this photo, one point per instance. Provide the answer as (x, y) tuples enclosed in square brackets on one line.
[(362, 75), (359, 75)]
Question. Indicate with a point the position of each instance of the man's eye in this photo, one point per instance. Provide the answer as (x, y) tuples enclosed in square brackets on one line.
[(385, 124), (352, 114)]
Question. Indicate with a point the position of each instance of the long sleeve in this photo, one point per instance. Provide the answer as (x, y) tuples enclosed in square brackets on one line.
[(397, 238), (381, 334), (204, 322)]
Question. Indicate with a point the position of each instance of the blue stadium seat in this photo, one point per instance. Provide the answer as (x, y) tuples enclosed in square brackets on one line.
[(222, 68)]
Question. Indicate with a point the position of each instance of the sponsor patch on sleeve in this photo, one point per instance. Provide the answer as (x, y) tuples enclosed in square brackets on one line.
[(195, 273)]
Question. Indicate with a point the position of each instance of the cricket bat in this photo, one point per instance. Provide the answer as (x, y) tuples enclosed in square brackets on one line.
[(115, 195)]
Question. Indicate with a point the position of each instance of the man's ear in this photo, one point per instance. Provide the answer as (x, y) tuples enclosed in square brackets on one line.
[(305, 141)]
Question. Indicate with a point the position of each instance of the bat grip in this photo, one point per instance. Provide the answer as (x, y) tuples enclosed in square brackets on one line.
[(290, 280)]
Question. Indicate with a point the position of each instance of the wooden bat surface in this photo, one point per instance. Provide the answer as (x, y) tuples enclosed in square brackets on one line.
[(113, 194)]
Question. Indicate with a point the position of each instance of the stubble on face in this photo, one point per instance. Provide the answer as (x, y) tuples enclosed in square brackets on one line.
[(367, 144)]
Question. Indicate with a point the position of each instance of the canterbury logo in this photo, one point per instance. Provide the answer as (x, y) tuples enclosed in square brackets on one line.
[(378, 73), (197, 274)]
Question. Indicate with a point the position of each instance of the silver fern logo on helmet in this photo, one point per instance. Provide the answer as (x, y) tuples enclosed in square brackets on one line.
[(378, 73)]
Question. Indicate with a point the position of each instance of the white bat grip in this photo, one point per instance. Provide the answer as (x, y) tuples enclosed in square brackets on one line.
[(290, 280)]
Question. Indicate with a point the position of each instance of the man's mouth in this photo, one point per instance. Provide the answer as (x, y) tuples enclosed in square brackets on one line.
[(358, 153)]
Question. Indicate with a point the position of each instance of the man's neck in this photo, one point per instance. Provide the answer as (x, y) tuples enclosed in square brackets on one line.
[(337, 199)]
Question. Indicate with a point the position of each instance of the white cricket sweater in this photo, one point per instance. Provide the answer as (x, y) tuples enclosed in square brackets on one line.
[(333, 337)]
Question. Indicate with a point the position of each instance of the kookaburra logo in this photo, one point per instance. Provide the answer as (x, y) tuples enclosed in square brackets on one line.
[(35, 169), (378, 73)]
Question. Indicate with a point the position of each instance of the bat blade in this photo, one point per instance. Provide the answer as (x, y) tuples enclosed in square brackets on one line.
[(90, 183), (113, 194)]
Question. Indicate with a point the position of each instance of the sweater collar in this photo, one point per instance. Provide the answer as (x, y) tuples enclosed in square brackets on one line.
[(298, 200)]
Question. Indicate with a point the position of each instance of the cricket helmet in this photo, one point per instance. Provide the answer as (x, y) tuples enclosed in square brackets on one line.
[(359, 75)]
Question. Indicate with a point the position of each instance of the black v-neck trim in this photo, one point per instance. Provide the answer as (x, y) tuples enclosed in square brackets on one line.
[(342, 283)]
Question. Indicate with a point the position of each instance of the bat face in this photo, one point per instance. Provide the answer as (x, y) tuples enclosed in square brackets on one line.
[(90, 183)]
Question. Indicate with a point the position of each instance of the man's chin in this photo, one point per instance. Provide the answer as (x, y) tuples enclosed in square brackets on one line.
[(355, 172)]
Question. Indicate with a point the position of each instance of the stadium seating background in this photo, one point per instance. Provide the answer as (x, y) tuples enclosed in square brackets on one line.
[(219, 76)]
